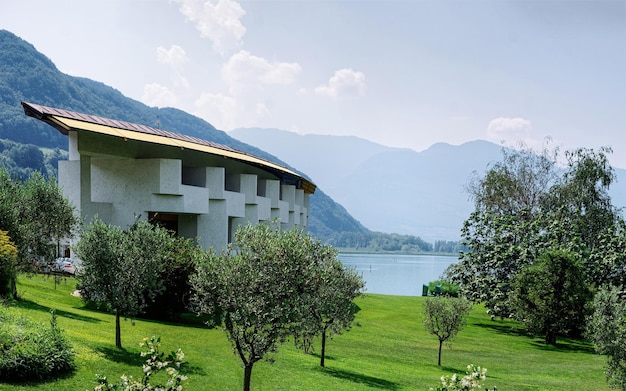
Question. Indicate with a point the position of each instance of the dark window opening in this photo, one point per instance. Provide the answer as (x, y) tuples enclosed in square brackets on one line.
[(165, 220)]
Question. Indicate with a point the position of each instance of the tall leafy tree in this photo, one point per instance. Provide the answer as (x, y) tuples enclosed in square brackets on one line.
[(526, 205), (258, 290), (122, 269)]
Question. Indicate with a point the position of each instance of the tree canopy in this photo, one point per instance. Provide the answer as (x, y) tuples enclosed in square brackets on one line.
[(122, 269), (36, 217), (528, 204)]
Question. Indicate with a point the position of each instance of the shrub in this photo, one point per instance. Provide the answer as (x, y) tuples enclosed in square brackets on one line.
[(8, 264), (33, 351), (447, 288)]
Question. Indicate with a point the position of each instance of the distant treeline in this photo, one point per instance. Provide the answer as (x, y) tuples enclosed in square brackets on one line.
[(379, 241)]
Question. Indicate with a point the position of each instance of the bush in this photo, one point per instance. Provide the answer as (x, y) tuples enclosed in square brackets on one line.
[(8, 257), (32, 351), (446, 288)]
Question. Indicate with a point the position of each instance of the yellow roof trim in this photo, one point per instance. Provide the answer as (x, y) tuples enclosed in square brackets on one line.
[(70, 123)]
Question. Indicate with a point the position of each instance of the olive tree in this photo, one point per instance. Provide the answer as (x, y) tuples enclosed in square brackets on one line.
[(122, 268), (444, 317), (606, 328), (257, 290), (331, 309)]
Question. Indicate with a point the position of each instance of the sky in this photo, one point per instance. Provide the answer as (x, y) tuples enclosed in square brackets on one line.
[(402, 73)]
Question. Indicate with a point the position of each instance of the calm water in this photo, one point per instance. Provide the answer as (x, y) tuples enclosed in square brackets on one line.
[(401, 275)]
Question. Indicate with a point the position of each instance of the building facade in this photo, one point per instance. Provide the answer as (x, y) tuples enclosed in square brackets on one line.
[(119, 171)]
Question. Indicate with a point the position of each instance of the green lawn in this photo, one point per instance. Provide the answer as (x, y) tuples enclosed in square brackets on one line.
[(387, 350)]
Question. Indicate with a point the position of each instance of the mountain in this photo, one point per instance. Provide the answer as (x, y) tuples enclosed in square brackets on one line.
[(27, 75), (393, 189)]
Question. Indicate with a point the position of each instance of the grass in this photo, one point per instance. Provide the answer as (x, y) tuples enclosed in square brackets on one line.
[(387, 350)]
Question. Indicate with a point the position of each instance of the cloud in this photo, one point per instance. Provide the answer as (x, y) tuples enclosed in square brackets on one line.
[(218, 109), (244, 69), (157, 95), (174, 57), (218, 22), (345, 83), (244, 66), (506, 127)]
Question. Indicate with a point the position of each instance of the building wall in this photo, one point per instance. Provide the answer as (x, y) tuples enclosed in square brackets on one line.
[(104, 179)]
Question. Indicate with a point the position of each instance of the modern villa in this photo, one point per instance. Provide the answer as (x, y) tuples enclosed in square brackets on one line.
[(119, 170)]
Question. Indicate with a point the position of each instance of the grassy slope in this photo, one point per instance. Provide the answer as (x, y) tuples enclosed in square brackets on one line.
[(389, 350)]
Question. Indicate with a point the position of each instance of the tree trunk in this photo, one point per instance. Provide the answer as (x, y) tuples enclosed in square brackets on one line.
[(323, 352), (550, 337), (247, 375), (118, 330), (439, 359)]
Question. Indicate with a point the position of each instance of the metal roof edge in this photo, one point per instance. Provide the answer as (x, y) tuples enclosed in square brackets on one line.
[(49, 115)]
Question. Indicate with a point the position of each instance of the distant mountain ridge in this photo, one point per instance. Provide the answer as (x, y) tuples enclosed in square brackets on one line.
[(27, 75), (394, 189)]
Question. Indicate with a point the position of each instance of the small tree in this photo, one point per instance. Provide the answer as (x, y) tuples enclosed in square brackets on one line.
[(331, 309), (445, 317), (551, 296), (606, 329), (121, 269), (257, 292)]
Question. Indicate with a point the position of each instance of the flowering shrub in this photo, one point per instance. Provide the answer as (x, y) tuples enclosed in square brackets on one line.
[(155, 362), (473, 380)]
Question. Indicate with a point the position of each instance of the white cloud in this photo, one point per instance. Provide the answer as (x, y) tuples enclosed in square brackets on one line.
[(345, 83), (219, 22), (157, 95), (244, 68), (508, 128), (175, 56), (218, 109)]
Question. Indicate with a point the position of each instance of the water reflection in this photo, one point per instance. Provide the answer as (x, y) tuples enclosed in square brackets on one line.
[(393, 274)]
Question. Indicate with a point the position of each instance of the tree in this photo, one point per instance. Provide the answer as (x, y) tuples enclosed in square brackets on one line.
[(550, 294), (445, 317), (36, 216), (501, 233), (331, 309), (606, 329), (524, 206), (121, 269), (258, 290)]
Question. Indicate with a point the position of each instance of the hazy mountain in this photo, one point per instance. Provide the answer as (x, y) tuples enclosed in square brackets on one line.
[(27, 75), (393, 189)]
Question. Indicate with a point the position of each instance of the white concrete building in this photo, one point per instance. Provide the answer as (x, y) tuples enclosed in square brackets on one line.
[(118, 170)]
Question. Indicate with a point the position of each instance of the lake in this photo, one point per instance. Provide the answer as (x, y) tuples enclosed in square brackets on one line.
[(393, 274)]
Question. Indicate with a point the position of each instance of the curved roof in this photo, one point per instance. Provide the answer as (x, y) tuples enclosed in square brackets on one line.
[(64, 121)]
